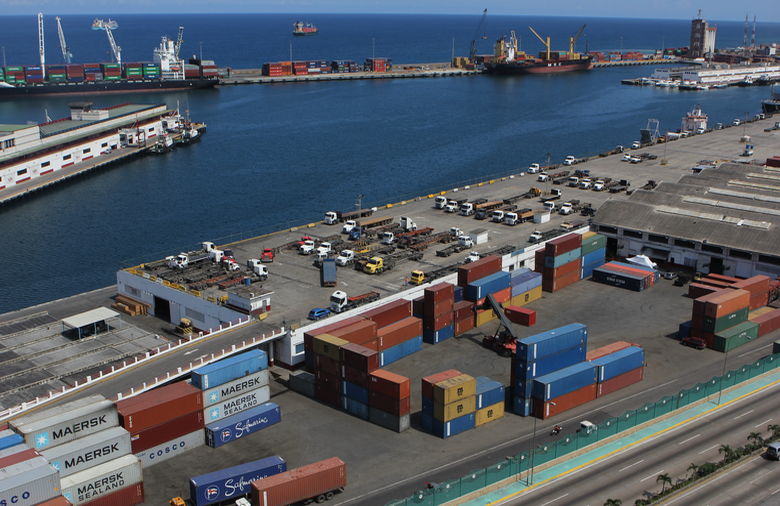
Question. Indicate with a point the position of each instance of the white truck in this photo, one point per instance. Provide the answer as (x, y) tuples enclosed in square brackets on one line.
[(549, 206), (407, 225), (542, 177), (346, 257), (388, 238), (599, 186), (331, 218), (179, 261), (473, 257), (534, 168), (566, 208), (258, 268), (451, 207), (307, 248), (585, 184), (348, 226), (497, 216), (570, 160), (439, 202), (573, 181), (466, 209), (466, 241), (324, 248)]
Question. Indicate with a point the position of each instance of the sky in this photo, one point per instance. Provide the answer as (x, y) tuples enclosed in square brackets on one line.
[(713, 10)]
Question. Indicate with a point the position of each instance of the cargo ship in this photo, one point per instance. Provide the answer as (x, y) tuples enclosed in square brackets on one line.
[(509, 60), (772, 104), (300, 28)]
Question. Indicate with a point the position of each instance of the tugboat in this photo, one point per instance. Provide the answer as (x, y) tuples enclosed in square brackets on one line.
[(300, 28), (510, 60), (772, 104)]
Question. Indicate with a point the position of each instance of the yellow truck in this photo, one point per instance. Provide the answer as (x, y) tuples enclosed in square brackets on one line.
[(377, 265)]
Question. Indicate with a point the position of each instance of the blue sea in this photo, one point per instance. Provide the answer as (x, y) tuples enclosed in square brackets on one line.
[(279, 155)]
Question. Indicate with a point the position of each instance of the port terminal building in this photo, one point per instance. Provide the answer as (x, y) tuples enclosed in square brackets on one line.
[(723, 220), (31, 151)]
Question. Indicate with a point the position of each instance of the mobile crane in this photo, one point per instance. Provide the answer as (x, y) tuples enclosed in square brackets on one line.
[(504, 340)]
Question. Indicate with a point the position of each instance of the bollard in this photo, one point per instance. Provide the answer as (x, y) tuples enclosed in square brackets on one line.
[(89, 378), (144, 385), (179, 370)]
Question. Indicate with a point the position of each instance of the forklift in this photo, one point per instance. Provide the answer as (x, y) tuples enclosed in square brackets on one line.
[(504, 341)]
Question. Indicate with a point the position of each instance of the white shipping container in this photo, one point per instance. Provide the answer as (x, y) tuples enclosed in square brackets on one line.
[(235, 387), (235, 405), (13, 449), (172, 448), (67, 422), (88, 452), (479, 236), (88, 485), (27, 483)]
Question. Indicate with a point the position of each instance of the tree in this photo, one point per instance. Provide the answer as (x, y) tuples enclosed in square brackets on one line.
[(775, 430), (707, 468), (664, 479), (755, 439), (613, 502), (693, 468), (727, 452)]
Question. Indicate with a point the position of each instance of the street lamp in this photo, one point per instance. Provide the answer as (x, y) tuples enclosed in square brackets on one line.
[(530, 480), (723, 373)]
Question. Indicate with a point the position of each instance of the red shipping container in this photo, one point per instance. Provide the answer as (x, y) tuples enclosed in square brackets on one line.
[(539, 260), (128, 496), (308, 337), (550, 273), (721, 277), (159, 406), (503, 295), (58, 501), (758, 286), (429, 381), (439, 308), (696, 290), (562, 245), (360, 357), (521, 315), (17, 457), (463, 326), (767, 322), (327, 365), (478, 270), (620, 381), (560, 283), (354, 376), (399, 332), (153, 436), (715, 283), (720, 303), (608, 349), (328, 381), (392, 405), (439, 293), (462, 310), (3, 426), (389, 313), (327, 396), (301, 483), (360, 332), (438, 322), (564, 402), (389, 384)]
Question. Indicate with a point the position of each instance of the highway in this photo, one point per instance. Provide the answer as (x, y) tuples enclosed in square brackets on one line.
[(632, 474)]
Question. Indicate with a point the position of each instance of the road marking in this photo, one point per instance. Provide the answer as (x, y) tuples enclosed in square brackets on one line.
[(552, 501), (743, 414), (708, 449), (776, 491), (631, 465), (651, 476), (689, 439), (759, 476), (753, 351), (762, 423), (191, 351)]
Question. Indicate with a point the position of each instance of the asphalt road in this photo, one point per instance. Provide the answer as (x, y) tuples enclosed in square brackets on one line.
[(632, 474)]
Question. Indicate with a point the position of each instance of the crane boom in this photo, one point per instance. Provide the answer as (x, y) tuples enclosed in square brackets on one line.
[(66, 54), (109, 25), (41, 45), (179, 41), (573, 39), (473, 48), (546, 43)]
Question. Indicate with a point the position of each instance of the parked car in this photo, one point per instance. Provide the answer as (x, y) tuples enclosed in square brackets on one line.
[(318, 313), (694, 342)]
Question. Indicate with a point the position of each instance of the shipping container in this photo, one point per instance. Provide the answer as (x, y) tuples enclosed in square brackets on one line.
[(716, 325), (354, 376), (562, 245), (59, 501), (327, 365), (488, 392), (232, 388), (621, 381), (303, 383), (16, 458), (388, 404), (9, 438), (522, 406), (607, 349), (235, 427), (326, 395), (387, 420), (484, 316), (354, 407), (359, 357), (399, 332), (83, 453), (390, 384), (521, 298), (767, 322), (437, 322), (548, 343), (619, 362), (447, 429), (439, 300), (233, 482), (389, 313), (758, 286), (354, 391), (489, 414), (428, 382), (13, 449), (594, 257), (128, 496), (563, 258), (489, 284), (238, 404), (158, 406), (458, 293), (95, 482), (229, 369), (734, 337), (563, 381), (545, 409), (328, 381), (400, 351), (66, 422), (30, 482), (159, 434), (593, 243), (475, 270), (454, 389), (442, 334), (526, 281), (520, 315), (632, 282), (361, 332), (172, 448), (720, 303), (452, 410), (526, 370), (329, 346), (299, 484), (463, 326), (462, 310)]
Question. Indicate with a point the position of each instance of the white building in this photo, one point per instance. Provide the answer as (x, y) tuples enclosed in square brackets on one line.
[(702, 39)]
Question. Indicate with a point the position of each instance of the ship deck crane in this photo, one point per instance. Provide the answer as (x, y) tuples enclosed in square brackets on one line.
[(109, 25), (573, 40), (546, 43), (66, 54), (480, 27), (41, 45), (179, 41)]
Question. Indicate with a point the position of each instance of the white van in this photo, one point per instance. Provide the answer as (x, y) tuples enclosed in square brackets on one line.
[(773, 451)]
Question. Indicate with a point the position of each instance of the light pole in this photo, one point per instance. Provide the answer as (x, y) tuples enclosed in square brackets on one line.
[(530, 480), (723, 373)]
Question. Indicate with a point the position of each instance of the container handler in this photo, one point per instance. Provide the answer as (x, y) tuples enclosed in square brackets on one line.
[(504, 341)]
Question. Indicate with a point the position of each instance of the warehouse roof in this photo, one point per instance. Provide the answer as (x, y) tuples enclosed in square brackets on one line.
[(66, 124), (7, 127), (734, 206)]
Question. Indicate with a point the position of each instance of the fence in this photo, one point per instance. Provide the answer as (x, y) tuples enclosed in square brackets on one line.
[(520, 463)]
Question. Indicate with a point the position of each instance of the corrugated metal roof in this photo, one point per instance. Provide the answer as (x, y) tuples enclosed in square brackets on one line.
[(89, 317), (9, 127), (57, 127)]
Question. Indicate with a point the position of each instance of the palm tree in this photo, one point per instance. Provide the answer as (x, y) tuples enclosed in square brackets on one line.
[(756, 439), (613, 502), (727, 452), (774, 429), (693, 468), (664, 479)]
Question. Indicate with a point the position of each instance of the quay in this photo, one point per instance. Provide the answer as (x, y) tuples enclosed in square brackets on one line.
[(254, 76)]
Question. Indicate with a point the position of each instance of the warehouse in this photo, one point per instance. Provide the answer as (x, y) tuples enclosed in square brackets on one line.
[(723, 220)]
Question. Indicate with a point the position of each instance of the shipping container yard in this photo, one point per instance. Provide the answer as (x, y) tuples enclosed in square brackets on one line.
[(448, 332)]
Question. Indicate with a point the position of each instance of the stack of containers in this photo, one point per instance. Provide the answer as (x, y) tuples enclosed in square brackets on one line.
[(233, 385), (26, 478), (56, 73), (758, 286), (111, 71), (526, 287), (33, 74), (439, 301), (191, 71), (449, 403), (327, 360), (767, 319), (75, 73), (564, 389), (489, 400), (14, 74), (389, 400), (542, 354), (300, 68), (133, 71), (159, 418), (483, 277), (721, 319), (562, 262), (98, 485), (208, 68), (463, 317), (632, 277), (151, 70), (357, 363), (619, 369), (92, 72), (696, 290), (378, 64), (277, 69), (342, 66), (233, 482), (399, 339), (2, 74), (594, 253)]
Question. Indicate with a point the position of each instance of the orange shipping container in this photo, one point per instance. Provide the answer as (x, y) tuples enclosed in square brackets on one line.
[(553, 285), (159, 406), (606, 350), (300, 484), (549, 273), (360, 332), (503, 295), (390, 313), (399, 332), (429, 381), (721, 303), (389, 384), (464, 325), (564, 402)]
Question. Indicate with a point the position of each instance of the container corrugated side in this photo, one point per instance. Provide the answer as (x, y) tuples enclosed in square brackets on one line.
[(172, 448), (159, 406), (9, 438), (233, 388), (88, 452), (619, 362), (300, 483), (235, 427), (28, 483), (564, 381), (233, 482), (237, 404), (13, 449), (87, 485), (548, 343), (235, 367), (128, 496)]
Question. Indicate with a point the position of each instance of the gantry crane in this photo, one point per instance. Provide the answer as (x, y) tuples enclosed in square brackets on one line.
[(66, 54), (480, 27), (109, 25)]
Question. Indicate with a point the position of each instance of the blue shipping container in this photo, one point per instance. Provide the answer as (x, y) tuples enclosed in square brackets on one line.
[(594, 256), (684, 330), (229, 369), (530, 369), (427, 406), (489, 284), (563, 258), (354, 407), (399, 351), (548, 343), (518, 272), (437, 336), (458, 293), (522, 406), (354, 391), (447, 429), (633, 282), (9, 438), (233, 482), (235, 427), (619, 363), (489, 392), (656, 274), (527, 281), (587, 270), (564, 381)]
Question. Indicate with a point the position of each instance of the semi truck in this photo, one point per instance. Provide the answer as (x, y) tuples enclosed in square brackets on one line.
[(483, 210), (340, 302), (520, 216), (333, 217), (317, 482)]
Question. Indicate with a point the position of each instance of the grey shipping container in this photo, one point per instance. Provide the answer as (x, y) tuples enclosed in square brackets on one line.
[(172, 448), (237, 404), (67, 422), (387, 420), (89, 451), (30, 482), (88, 485), (235, 387), (13, 449), (302, 382)]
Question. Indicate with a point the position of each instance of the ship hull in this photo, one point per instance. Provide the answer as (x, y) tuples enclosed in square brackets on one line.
[(303, 34), (124, 86), (771, 106), (516, 68)]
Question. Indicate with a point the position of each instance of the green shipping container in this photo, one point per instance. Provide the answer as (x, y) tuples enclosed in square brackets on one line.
[(591, 244), (735, 336), (112, 78), (716, 325), (14, 69)]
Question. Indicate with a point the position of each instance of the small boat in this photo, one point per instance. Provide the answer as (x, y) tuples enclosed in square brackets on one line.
[(300, 28)]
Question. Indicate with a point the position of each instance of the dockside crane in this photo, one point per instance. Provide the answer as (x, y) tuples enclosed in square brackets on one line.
[(179, 41), (108, 26), (66, 54), (573, 40), (546, 43), (480, 28), (41, 45)]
